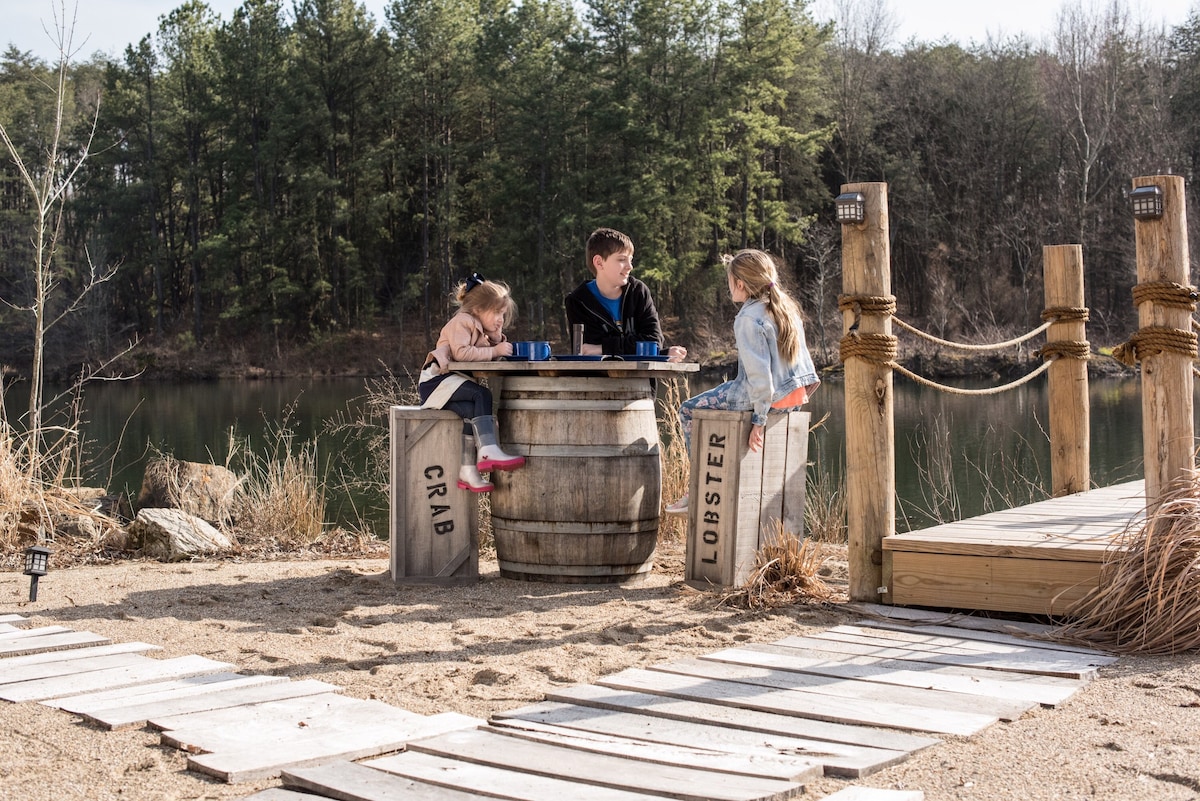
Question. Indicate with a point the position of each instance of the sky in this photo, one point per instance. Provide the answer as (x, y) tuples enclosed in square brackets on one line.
[(110, 25)]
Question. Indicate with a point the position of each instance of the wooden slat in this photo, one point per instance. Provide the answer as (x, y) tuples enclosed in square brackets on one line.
[(885, 650), (254, 761), (87, 703), (51, 642), (484, 747), (350, 781), (899, 673), (836, 759), (799, 703), (235, 691), (748, 719), (779, 767), (959, 620), (40, 631), (496, 782), (955, 642), (280, 794), (920, 696), (233, 727), (67, 667), (984, 636), (18, 621), (152, 670), (53, 657)]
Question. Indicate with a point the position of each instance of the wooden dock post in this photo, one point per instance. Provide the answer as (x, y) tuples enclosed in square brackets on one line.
[(1168, 430), (870, 438), (1067, 377)]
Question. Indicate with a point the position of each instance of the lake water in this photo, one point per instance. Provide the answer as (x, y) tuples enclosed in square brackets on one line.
[(995, 447)]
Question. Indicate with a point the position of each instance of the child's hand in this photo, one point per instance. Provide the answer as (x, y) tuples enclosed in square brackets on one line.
[(676, 353), (756, 439), (503, 349)]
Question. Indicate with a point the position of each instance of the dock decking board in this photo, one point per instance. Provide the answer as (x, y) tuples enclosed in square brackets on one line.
[(1037, 559)]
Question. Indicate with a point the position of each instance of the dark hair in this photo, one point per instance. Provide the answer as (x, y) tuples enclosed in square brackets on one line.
[(604, 242)]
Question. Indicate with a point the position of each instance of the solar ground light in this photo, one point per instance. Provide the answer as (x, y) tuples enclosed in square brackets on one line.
[(851, 207), (1146, 202), (37, 564)]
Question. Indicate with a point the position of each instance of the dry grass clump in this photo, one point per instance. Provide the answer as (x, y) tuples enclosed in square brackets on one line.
[(282, 501), (676, 467), (786, 572), (1148, 598)]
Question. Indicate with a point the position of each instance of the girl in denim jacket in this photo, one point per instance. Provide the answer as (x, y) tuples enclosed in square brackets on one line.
[(775, 369)]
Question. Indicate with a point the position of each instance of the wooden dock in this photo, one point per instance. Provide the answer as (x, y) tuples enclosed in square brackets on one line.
[(1036, 559)]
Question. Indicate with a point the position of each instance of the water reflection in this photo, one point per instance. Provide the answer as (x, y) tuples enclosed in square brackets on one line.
[(956, 455)]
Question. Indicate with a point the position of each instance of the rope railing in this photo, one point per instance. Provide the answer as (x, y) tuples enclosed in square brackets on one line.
[(1154, 339), (882, 349)]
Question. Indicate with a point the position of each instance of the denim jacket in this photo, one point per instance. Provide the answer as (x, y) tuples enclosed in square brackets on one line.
[(762, 376)]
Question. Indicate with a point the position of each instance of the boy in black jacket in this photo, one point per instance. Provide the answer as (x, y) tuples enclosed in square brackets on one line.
[(615, 308)]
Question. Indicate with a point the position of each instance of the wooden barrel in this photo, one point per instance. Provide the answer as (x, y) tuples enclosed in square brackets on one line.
[(584, 508)]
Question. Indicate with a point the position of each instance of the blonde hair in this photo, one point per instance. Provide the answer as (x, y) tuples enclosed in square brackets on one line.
[(477, 295), (760, 276)]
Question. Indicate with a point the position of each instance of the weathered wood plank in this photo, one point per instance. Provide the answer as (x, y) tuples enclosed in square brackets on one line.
[(836, 759), (75, 684), (51, 657), (54, 663), (958, 620), (350, 781), (699, 757), (207, 730), (496, 782), (40, 631), (234, 691), (280, 794), (896, 652), (51, 642), (268, 760), (968, 681), (486, 747), (799, 703), (921, 696), (594, 695), (1019, 651), (14, 620), (996, 637), (67, 667), (86, 703)]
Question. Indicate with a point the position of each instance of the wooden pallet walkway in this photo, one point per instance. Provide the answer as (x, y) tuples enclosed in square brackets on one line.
[(740, 724), (1037, 559)]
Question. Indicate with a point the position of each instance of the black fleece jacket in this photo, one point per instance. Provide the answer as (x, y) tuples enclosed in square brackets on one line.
[(639, 318)]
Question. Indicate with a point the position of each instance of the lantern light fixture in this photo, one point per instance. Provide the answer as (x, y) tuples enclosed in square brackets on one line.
[(1146, 202), (851, 207), (37, 564)]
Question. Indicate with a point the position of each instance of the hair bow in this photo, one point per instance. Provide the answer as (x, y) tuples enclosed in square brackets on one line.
[(475, 280)]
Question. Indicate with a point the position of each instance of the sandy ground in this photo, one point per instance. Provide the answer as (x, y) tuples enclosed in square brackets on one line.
[(500, 644)]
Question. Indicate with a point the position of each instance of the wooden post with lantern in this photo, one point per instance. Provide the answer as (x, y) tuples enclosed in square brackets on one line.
[(870, 438), (1165, 342)]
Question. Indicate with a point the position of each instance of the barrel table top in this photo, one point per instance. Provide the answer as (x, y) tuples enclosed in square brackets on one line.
[(625, 367)]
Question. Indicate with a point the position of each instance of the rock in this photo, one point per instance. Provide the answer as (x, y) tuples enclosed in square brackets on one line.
[(207, 491), (172, 534)]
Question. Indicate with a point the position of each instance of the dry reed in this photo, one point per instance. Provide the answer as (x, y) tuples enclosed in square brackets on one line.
[(676, 467), (786, 572), (1148, 598)]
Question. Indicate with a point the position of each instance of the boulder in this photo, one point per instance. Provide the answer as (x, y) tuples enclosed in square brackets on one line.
[(172, 534), (207, 491)]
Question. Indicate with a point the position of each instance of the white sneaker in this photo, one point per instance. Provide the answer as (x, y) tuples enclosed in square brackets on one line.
[(680, 507)]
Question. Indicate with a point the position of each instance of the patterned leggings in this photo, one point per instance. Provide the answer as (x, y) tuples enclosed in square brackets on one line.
[(715, 398)]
